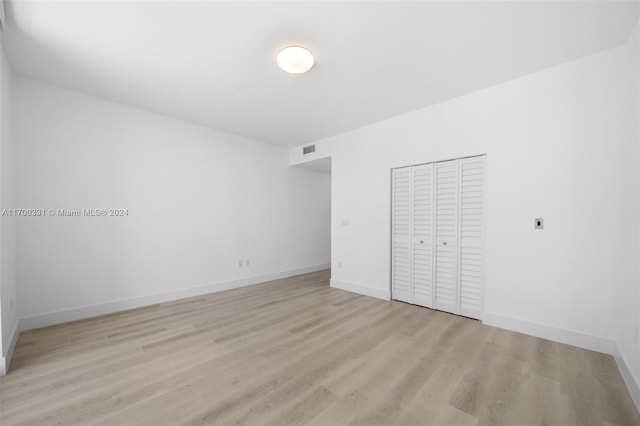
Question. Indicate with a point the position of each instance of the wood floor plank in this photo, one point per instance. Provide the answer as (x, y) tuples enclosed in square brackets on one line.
[(295, 351)]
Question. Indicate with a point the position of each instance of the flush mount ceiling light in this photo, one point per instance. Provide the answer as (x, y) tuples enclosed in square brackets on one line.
[(295, 59)]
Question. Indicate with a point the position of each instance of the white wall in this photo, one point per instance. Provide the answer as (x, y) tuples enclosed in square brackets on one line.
[(557, 147), (634, 45), (629, 298), (628, 308), (8, 287), (199, 200)]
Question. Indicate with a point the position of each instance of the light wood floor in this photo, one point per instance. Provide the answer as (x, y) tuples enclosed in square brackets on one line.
[(295, 351)]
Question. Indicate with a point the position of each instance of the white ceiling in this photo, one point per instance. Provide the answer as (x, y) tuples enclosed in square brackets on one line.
[(213, 63)]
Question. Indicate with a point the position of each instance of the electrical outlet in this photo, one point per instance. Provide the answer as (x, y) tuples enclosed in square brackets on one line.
[(240, 263), (339, 265), (538, 223), (246, 262)]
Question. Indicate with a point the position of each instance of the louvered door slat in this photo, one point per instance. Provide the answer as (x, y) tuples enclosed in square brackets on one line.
[(423, 235), (446, 235), (471, 236), (401, 225)]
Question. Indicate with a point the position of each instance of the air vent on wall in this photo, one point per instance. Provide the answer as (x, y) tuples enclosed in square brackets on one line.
[(308, 149)]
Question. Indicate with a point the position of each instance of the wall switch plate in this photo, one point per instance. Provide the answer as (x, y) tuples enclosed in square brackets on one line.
[(538, 223)]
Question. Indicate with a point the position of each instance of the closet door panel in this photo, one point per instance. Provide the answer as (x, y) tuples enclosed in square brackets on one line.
[(423, 235), (401, 225), (446, 235), (438, 235), (471, 236)]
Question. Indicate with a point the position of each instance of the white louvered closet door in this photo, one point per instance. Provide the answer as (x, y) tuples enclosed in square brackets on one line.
[(471, 236), (438, 235), (422, 290), (401, 253), (446, 236)]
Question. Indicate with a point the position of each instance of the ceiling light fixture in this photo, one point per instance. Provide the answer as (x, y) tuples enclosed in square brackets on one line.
[(295, 59)]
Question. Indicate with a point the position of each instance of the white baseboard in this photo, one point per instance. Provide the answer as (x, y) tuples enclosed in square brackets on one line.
[(51, 318), (6, 358), (355, 288), (545, 331), (632, 382)]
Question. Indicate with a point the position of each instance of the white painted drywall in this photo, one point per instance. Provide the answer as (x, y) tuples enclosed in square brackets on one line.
[(198, 200), (8, 285), (629, 298), (634, 44), (557, 147)]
